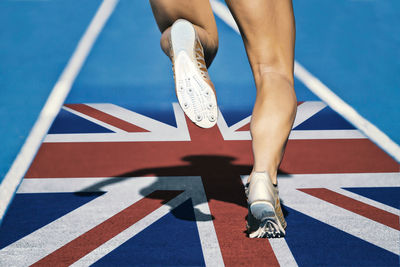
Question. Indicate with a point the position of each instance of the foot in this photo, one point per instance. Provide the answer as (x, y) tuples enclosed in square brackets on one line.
[(265, 217), (193, 87)]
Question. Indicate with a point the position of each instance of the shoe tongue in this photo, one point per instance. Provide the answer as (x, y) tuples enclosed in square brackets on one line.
[(260, 175)]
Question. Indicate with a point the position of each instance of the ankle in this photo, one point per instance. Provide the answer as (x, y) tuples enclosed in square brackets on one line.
[(272, 175)]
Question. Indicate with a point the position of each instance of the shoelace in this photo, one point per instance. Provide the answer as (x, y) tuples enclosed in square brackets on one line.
[(199, 55)]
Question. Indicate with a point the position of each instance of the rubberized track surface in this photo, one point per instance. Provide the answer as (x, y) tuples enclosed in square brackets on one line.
[(132, 182)]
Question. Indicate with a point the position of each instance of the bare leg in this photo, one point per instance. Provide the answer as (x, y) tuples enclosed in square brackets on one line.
[(198, 12), (268, 32)]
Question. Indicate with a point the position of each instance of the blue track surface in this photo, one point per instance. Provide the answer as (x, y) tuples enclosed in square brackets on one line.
[(37, 40), (351, 46)]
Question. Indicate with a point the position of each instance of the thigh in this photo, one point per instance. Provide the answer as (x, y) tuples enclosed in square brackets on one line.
[(268, 31), (198, 12)]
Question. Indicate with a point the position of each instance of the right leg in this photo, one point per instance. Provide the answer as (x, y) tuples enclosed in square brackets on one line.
[(198, 12), (268, 31)]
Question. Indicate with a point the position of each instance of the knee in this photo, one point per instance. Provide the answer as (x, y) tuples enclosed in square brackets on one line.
[(274, 68)]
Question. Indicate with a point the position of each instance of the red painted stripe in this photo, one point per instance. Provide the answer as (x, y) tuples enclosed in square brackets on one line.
[(103, 232), (245, 127), (368, 211), (107, 118), (229, 209), (191, 158)]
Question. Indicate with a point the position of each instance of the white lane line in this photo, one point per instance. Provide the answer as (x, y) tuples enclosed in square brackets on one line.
[(222, 11), (325, 94), (347, 112), (53, 105)]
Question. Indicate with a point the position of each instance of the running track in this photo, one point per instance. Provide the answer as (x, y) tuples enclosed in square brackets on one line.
[(126, 68)]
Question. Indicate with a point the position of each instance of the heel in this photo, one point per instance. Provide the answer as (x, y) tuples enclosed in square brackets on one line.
[(262, 210), (183, 37)]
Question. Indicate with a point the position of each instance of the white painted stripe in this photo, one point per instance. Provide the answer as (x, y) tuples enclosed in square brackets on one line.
[(130, 232), (325, 134), (45, 240), (365, 200), (53, 105), (86, 117), (373, 232), (208, 237), (121, 193), (163, 132), (112, 137), (279, 245), (325, 94), (282, 252), (133, 117), (306, 110), (349, 222), (339, 180), (158, 136), (158, 131)]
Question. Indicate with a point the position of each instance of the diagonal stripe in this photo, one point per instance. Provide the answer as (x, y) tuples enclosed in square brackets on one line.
[(245, 127), (368, 211), (306, 110), (103, 232), (104, 117), (323, 92)]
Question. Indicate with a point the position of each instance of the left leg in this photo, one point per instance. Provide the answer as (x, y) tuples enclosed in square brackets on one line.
[(189, 37)]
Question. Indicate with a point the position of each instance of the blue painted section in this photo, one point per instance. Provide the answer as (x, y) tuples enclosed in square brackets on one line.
[(318, 244), (326, 119), (29, 212), (386, 195), (233, 116), (37, 40), (352, 47), (66, 122), (169, 241)]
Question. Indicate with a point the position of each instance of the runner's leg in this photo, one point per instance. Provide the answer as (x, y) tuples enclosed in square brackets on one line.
[(268, 31), (198, 12)]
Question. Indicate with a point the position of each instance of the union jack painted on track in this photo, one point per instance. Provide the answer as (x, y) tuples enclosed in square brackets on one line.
[(123, 188)]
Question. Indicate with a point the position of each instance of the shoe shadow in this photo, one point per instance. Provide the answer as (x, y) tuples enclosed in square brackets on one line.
[(220, 176)]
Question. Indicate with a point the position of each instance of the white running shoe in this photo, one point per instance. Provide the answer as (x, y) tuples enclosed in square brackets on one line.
[(265, 217), (193, 87)]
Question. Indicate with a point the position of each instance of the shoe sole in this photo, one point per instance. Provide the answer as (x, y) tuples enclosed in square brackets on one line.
[(195, 96), (269, 224)]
